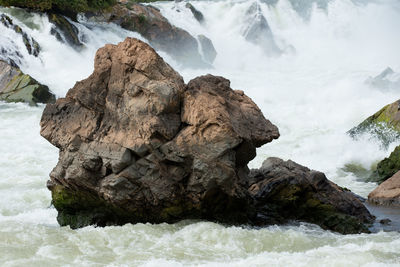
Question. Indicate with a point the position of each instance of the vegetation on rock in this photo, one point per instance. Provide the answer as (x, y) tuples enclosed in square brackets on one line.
[(384, 124), (66, 7)]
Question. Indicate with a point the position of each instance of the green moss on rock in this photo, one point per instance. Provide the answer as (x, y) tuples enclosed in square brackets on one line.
[(387, 167), (65, 7), (384, 124)]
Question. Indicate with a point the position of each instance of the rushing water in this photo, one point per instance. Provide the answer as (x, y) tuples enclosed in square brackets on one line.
[(314, 93)]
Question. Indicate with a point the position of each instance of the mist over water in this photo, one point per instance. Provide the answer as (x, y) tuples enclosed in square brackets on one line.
[(314, 92)]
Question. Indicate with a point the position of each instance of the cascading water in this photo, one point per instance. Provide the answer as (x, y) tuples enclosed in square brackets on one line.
[(314, 92)]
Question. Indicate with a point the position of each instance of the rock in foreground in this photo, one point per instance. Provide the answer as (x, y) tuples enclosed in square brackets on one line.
[(16, 86), (388, 193), (138, 145)]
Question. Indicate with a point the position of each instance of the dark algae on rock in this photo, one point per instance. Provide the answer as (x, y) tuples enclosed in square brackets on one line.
[(137, 144), (15, 86)]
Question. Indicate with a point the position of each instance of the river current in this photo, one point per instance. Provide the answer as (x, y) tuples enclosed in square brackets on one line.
[(314, 92)]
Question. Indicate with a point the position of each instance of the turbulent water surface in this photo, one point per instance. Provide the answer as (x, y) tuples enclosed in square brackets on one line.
[(314, 92)]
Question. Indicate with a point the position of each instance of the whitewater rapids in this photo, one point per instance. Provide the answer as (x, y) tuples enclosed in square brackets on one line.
[(314, 93)]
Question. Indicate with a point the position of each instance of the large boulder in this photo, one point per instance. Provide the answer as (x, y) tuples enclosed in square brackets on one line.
[(384, 124), (285, 190), (152, 25), (138, 145), (15, 86), (387, 193)]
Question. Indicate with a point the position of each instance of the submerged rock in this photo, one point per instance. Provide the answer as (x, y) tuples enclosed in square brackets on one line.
[(387, 193), (207, 48), (161, 34), (16, 86), (197, 14), (138, 145), (388, 79), (32, 46), (65, 31), (258, 31), (384, 124), (285, 190)]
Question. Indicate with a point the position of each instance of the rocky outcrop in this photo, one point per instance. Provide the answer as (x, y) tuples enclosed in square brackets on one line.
[(387, 193), (32, 46), (16, 86), (285, 190), (384, 124), (207, 48), (162, 35), (138, 145), (65, 31), (257, 30)]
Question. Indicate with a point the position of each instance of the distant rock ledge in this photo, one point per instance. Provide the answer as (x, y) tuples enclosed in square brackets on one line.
[(138, 145)]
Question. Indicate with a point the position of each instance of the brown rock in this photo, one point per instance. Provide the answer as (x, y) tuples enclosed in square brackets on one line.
[(387, 193), (285, 190), (133, 139), (138, 145)]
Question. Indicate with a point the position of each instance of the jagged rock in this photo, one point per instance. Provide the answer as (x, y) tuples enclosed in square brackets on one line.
[(388, 79), (285, 190), (16, 86), (207, 48), (384, 124), (197, 14), (176, 155), (64, 30), (162, 35), (387, 193), (138, 145), (258, 31), (31, 44)]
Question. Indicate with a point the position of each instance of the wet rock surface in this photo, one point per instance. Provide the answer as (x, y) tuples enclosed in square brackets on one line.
[(161, 34), (138, 145), (285, 190), (207, 48), (258, 31), (16, 86), (384, 124), (32, 46), (65, 31)]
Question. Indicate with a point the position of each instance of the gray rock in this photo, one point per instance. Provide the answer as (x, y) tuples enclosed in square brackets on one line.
[(257, 30), (15, 86), (207, 48)]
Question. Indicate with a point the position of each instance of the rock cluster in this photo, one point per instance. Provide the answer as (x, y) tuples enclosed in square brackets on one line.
[(138, 145), (151, 24), (16, 86)]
